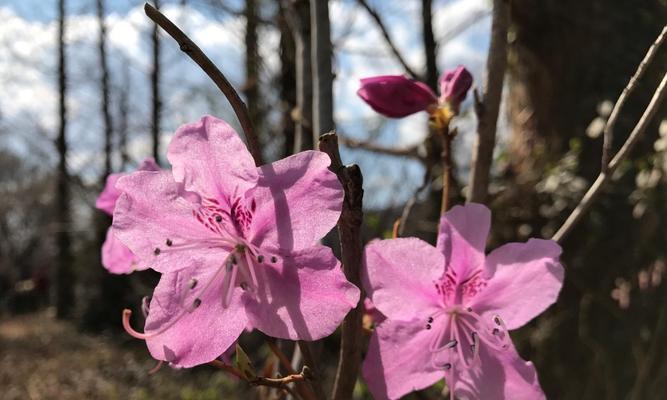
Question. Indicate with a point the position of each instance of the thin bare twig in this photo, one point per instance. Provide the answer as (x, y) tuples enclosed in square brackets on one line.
[(197, 55), (604, 176), (488, 106), (305, 391), (349, 230), (410, 152), (613, 117), (385, 34), (411, 202), (447, 137), (278, 383)]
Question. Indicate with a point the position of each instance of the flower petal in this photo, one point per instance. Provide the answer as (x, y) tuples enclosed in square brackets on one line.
[(193, 335), (211, 160), (106, 201), (303, 296), (298, 201), (396, 96), (116, 257), (154, 219), (525, 279), (501, 375), (398, 360), (462, 238), (399, 276)]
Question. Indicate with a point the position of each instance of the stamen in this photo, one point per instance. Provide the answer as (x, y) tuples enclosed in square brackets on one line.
[(193, 283), (169, 242), (274, 259), (260, 258), (156, 251), (196, 303), (428, 326), (228, 283), (218, 218), (447, 366), (430, 320), (146, 335), (156, 368), (251, 268), (145, 305), (450, 344)]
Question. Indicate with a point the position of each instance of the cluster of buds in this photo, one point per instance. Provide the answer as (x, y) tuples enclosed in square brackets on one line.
[(397, 96)]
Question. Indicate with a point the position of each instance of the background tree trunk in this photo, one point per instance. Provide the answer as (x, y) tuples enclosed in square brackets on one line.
[(323, 121), (430, 45), (65, 282), (251, 88), (156, 101)]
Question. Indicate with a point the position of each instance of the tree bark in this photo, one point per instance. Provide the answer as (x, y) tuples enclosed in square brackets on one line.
[(430, 45), (156, 101), (65, 272), (298, 16), (323, 121), (251, 89), (287, 84)]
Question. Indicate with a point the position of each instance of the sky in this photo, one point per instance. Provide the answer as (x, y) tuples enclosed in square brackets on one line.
[(28, 98)]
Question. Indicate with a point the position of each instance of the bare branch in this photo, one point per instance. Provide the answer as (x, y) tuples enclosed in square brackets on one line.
[(410, 152), (488, 107), (197, 55), (604, 176), (613, 117), (349, 231), (385, 33)]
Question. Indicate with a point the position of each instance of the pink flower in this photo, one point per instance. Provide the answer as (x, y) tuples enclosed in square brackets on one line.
[(237, 245), (396, 96), (449, 309), (454, 84), (116, 257)]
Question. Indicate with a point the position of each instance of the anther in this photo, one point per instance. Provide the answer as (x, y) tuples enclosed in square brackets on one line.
[(428, 326), (274, 259), (495, 331), (260, 258), (469, 309), (244, 286), (169, 242), (451, 343), (447, 366), (157, 251), (430, 320), (218, 218), (497, 320), (196, 303), (192, 284)]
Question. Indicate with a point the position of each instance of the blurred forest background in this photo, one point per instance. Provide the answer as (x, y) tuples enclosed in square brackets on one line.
[(90, 87)]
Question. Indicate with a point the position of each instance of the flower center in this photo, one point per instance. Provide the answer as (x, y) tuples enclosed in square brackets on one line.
[(459, 334), (455, 290)]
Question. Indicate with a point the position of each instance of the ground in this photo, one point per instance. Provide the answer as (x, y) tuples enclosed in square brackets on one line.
[(41, 358)]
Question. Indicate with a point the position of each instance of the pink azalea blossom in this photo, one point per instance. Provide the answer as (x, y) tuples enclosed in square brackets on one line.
[(116, 257), (449, 309), (237, 245), (397, 96)]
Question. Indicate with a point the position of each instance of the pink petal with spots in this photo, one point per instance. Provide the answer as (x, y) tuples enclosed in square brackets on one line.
[(193, 336), (398, 360), (210, 159), (152, 211), (399, 276), (501, 375), (462, 238), (298, 201), (526, 279), (303, 296)]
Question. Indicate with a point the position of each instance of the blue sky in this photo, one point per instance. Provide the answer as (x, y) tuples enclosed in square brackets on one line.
[(27, 75)]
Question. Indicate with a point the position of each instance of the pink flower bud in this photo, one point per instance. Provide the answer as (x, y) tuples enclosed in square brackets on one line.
[(454, 84), (396, 96)]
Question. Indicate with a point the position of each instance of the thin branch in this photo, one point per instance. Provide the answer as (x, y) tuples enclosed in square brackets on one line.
[(197, 55), (385, 34), (410, 152), (488, 107), (278, 383), (411, 202), (349, 231), (305, 391), (613, 117), (605, 176), (446, 169)]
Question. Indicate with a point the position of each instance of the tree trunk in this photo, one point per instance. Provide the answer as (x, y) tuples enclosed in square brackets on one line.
[(323, 121), (65, 270), (155, 89), (287, 84), (298, 13), (251, 89), (430, 46)]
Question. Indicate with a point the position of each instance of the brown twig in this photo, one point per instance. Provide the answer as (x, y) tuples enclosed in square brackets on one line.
[(305, 391), (278, 383), (410, 152), (349, 231), (197, 55), (446, 169), (385, 34), (488, 106), (613, 117), (605, 176)]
